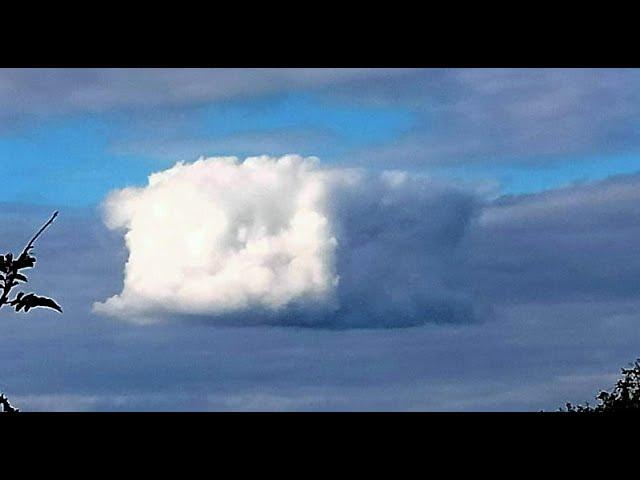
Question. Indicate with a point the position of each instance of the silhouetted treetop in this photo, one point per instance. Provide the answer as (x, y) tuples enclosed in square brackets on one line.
[(625, 396)]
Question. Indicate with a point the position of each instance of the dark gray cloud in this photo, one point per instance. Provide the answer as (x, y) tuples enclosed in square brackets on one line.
[(509, 115), (401, 253), (572, 244)]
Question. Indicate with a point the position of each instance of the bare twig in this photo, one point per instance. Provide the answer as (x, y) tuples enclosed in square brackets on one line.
[(42, 229)]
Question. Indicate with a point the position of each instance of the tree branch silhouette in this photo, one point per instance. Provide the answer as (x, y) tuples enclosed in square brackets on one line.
[(42, 229), (11, 277)]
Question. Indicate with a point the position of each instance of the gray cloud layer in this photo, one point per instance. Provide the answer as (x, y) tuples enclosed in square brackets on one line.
[(462, 115), (560, 270), (512, 116), (572, 244), (37, 91)]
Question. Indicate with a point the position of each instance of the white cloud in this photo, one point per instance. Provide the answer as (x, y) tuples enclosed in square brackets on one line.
[(217, 235), (285, 241)]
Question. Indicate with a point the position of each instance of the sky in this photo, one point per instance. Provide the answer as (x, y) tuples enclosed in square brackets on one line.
[(321, 239)]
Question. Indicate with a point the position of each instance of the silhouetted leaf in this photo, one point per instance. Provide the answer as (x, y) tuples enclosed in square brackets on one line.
[(27, 302)]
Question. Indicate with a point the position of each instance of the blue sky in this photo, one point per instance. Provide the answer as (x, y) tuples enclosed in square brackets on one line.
[(89, 153), (503, 278), (83, 161)]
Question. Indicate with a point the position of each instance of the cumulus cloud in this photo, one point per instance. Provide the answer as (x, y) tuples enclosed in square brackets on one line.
[(285, 241), (219, 236)]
